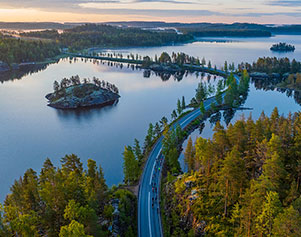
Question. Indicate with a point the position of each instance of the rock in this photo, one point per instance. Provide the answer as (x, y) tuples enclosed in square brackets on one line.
[(83, 95)]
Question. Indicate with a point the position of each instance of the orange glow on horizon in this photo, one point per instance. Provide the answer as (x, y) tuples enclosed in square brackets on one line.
[(34, 15)]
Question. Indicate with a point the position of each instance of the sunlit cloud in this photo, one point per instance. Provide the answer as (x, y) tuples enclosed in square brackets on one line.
[(268, 11)]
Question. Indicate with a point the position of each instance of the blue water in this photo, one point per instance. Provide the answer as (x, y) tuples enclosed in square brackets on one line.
[(31, 131)]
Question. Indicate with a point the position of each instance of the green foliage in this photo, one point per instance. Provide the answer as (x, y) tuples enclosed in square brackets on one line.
[(287, 223), (137, 150), (127, 212), (171, 140), (130, 166), (272, 65), (270, 209), (226, 66), (183, 105), (201, 92), (243, 182), (148, 142), (18, 51), (179, 107), (74, 229), (218, 96), (64, 201), (174, 115), (189, 155), (164, 58), (232, 92), (202, 107), (92, 35)]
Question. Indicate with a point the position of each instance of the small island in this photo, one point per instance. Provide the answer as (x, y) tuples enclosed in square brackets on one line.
[(73, 93), (283, 47)]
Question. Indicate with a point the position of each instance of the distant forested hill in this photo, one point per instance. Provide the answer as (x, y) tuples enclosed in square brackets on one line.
[(91, 35), (18, 51)]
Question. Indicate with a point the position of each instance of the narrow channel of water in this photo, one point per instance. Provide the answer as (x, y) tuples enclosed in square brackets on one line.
[(258, 100), (31, 131)]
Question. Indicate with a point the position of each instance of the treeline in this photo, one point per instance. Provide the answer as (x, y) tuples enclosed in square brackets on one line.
[(67, 201), (176, 58), (75, 80), (93, 35), (135, 156), (245, 181), (282, 47), (271, 65), (18, 51), (225, 32)]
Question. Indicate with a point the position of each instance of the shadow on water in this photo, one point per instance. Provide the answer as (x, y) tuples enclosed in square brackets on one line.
[(23, 71), (85, 113), (272, 86)]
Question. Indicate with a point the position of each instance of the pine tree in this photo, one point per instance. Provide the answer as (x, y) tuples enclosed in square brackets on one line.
[(183, 106), (287, 223), (202, 108), (138, 152), (233, 177), (190, 155), (130, 166), (179, 107), (270, 209)]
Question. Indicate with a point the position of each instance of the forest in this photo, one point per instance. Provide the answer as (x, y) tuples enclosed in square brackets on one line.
[(14, 50), (271, 65), (67, 201), (92, 35), (245, 181), (226, 32)]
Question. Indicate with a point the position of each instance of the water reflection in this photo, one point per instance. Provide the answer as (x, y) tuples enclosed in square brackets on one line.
[(165, 76), (23, 71), (84, 114), (271, 85)]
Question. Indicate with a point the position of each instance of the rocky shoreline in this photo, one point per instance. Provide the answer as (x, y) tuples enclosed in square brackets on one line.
[(82, 95)]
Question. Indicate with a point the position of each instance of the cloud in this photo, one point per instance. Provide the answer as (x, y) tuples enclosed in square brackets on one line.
[(261, 14), (162, 8), (166, 1), (156, 12), (285, 3)]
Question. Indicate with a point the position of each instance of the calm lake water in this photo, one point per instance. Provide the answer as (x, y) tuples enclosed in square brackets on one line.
[(31, 131)]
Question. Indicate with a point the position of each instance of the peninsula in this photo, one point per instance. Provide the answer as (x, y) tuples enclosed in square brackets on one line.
[(72, 93)]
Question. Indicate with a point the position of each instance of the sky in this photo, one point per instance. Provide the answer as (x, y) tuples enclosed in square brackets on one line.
[(223, 11)]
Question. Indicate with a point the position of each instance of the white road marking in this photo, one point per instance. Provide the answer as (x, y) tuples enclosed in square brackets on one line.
[(193, 114), (150, 180), (187, 118), (149, 219)]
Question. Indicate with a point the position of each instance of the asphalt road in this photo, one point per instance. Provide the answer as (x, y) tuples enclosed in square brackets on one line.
[(149, 222)]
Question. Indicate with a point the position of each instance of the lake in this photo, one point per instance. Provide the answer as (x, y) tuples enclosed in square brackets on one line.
[(31, 131)]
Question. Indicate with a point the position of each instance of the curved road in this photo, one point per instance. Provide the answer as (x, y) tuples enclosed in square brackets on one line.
[(149, 220), (149, 223)]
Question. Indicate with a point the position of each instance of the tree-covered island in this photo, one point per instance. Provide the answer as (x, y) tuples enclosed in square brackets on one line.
[(283, 47), (72, 93)]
